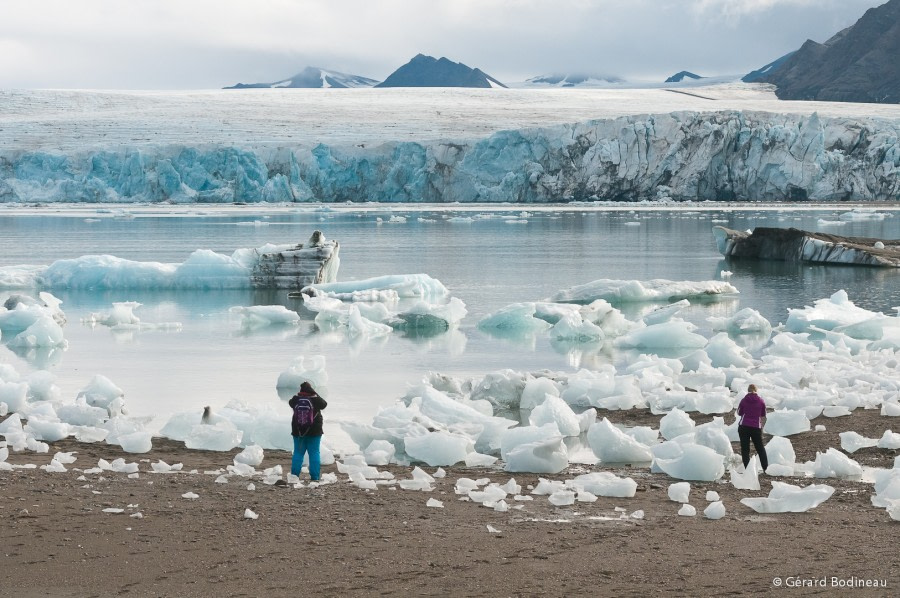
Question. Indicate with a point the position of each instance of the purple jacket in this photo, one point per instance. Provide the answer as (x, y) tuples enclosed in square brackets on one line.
[(751, 409)]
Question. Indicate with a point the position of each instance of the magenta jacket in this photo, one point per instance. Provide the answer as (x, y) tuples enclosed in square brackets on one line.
[(751, 409)]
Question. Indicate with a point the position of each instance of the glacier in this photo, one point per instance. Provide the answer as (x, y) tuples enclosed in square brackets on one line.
[(689, 155)]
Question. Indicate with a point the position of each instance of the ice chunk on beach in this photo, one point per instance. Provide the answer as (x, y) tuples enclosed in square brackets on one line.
[(434, 503), (715, 510), (687, 510), (221, 436), (556, 411), (674, 334), (101, 392), (438, 448), (679, 492), (139, 441), (536, 390), (696, 462), (787, 498), (724, 353), (786, 422), (420, 481), (890, 409), (543, 456), (835, 464), (513, 437), (379, 452), (852, 442), (714, 436), (889, 440), (747, 479), (249, 514), (162, 467), (46, 429), (622, 291), (562, 498), (612, 445), (79, 413), (604, 483), (780, 451), (14, 395), (675, 423), (252, 455)]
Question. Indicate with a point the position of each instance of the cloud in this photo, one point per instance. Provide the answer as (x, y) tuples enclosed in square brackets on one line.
[(212, 43)]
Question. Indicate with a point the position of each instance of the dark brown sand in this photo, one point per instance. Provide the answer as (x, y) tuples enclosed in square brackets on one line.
[(338, 540)]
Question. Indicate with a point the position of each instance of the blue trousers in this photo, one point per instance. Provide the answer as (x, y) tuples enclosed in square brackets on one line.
[(307, 444)]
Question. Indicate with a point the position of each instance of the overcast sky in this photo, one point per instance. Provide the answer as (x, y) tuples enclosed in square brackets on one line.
[(193, 44)]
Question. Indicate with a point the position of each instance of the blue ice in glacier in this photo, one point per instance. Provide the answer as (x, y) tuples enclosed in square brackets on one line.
[(701, 156)]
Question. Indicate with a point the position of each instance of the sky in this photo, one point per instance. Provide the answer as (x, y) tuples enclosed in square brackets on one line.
[(203, 44)]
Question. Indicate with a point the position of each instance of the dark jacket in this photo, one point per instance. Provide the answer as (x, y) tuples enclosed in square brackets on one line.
[(318, 404)]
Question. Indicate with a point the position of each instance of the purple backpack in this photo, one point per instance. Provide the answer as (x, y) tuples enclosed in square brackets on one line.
[(304, 412)]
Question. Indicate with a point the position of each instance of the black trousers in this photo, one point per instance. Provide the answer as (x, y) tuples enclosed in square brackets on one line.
[(746, 434)]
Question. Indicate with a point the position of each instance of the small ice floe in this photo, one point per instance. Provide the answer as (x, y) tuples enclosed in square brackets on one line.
[(248, 514), (725, 274), (190, 495)]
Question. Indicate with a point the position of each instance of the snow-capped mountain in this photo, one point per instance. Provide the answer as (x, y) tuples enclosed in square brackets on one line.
[(682, 75), (858, 64), (313, 77), (427, 71), (573, 80)]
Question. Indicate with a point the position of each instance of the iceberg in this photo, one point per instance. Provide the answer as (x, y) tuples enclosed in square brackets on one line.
[(787, 498), (636, 291), (202, 270), (402, 286), (791, 244), (674, 334)]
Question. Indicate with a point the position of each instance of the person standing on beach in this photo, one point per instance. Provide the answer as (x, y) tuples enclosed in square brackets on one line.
[(306, 428), (751, 410)]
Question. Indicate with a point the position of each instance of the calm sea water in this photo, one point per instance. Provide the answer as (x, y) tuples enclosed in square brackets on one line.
[(488, 263)]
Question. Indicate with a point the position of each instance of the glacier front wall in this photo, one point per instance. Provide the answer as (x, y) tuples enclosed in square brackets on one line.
[(683, 156)]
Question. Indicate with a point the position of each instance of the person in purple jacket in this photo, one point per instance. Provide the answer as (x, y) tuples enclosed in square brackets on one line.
[(751, 410)]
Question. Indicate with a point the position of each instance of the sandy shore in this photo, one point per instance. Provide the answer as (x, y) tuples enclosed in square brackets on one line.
[(338, 540)]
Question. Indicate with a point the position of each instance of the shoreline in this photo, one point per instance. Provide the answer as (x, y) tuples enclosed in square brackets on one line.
[(139, 209), (342, 540)]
